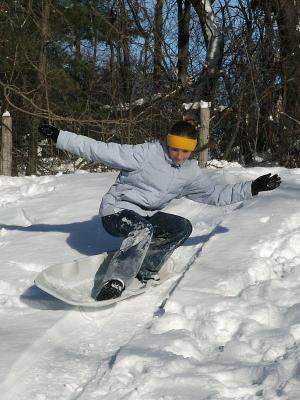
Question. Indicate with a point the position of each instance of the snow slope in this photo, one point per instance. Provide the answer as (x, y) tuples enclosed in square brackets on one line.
[(230, 329)]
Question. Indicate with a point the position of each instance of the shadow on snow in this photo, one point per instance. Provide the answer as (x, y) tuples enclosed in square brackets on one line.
[(88, 238)]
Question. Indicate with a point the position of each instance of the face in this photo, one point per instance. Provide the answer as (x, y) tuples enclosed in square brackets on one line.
[(179, 156)]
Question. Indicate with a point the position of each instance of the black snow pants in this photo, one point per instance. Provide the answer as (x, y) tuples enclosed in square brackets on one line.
[(148, 242)]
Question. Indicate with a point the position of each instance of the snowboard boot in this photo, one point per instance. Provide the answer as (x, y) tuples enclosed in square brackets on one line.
[(148, 276), (111, 290)]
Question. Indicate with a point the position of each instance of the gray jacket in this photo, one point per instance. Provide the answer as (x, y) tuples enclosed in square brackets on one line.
[(148, 178)]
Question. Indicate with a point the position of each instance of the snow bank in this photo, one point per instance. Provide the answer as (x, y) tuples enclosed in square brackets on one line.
[(230, 329), (14, 189)]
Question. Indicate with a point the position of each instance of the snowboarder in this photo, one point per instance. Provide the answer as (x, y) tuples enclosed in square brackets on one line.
[(151, 175)]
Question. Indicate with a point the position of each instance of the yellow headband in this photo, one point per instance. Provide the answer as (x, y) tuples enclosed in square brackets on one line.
[(181, 142)]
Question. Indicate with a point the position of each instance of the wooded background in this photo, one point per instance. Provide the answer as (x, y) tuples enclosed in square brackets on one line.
[(121, 70)]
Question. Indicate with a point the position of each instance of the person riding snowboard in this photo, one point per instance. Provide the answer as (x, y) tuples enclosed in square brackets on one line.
[(151, 175)]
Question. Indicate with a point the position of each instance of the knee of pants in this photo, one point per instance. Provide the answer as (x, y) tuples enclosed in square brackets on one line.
[(145, 227), (139, 237), (186, 227)]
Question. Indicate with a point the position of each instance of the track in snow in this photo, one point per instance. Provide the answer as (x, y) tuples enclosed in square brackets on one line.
[(74, 355)]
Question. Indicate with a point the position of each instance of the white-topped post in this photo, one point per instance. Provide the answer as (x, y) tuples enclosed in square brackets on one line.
[(204, 132), (6, 145)]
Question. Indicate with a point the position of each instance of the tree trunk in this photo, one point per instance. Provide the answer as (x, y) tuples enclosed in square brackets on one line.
[(43, 94), (184, 14), (113, 71), (124, 54), (210, 74), (214, 44), (158, 38)]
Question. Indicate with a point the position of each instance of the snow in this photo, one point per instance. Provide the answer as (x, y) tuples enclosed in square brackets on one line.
[(229, 329), (222, 164), (196, 105)]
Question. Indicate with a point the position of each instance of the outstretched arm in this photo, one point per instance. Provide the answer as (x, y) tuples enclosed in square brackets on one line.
[(203, 190), (125, 157)]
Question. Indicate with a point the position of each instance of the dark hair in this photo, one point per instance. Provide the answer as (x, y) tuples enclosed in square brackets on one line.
[(191, 117), (185, 129)]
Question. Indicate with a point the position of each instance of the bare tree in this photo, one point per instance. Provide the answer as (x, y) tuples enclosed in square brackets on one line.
[(158, 40), (287, 16), (206, 84), (214, 45), (42, 94), (124, 51), (184, 14), (121, 70)]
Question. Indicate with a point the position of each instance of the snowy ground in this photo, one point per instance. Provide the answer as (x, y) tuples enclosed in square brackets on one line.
[(229, 330)]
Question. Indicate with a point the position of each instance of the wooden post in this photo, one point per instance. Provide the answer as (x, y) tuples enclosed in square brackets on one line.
[(6, 145), (204, 132)]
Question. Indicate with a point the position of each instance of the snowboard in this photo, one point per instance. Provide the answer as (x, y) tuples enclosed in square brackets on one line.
[(76, 282)]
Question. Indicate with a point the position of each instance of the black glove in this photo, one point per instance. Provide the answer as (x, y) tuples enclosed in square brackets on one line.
[(265, 182), (49, 131)]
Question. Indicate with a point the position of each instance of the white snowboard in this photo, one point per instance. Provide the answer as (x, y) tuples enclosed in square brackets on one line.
[(74, 282)]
